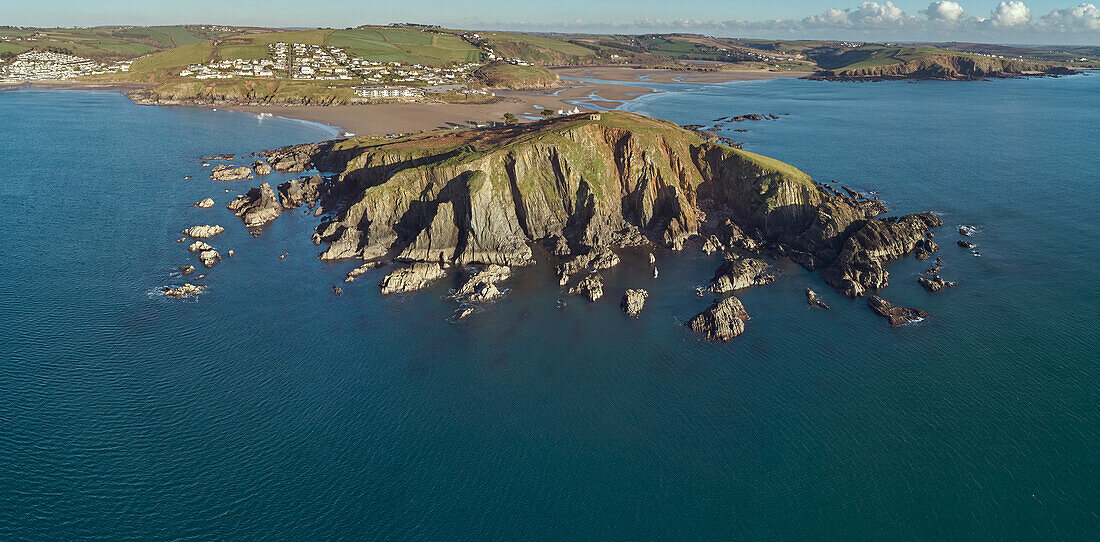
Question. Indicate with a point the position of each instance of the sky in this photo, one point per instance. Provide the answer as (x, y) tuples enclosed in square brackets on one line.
[(993, 21)]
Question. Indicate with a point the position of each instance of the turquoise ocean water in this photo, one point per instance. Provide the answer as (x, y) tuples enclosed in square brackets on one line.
[(269, 409)]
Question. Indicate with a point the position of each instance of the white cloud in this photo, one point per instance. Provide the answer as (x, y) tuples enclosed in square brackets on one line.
[(945, 11), (1083, 17), (1010, 14)]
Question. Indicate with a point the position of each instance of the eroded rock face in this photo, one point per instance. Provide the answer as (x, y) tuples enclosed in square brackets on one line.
[(258, 207), (722, 321), (261, 167), (226, 172), (291, 159), (738, 274), (633, 301), (814, 300), (186, 290), (481, 284), (893, 314), (590, 287), (205, 204), (860, 265), (203, 232), (414, 277), (300, 192)]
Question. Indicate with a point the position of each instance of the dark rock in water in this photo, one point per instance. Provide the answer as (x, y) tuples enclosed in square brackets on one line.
[(261, 167), (255, 232), (965, 244), (226, 156), (737, 274), (258, 207), (967, 230), (481, 284), (338, 291), (414, 277), (859, 266), (358, 271), (187, 269), (633, 301), (773, 116), (590, 287), (299, 192), (815, 301), (920, 254), (935, 284), (722, 321), (752, 116), (895, 315), (229, 173), (462, 312)]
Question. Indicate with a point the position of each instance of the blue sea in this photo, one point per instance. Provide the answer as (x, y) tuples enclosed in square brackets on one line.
[(269, 409)]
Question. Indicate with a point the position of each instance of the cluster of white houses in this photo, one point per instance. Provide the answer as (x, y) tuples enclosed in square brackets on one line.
[(41, 65), (301, 61)]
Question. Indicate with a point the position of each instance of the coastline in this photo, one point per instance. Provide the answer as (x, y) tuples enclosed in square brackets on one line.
[(589, 95)]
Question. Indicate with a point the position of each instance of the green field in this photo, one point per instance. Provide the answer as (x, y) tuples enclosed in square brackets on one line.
[(405, 45), (109, 43)]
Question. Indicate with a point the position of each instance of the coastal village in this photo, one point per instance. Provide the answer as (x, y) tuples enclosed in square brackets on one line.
[(46, 65)]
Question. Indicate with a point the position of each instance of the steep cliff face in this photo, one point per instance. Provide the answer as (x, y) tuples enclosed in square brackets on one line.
[(579, 184), (948, 67)]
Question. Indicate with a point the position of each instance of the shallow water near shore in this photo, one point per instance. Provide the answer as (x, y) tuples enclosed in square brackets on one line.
[(267, 408)]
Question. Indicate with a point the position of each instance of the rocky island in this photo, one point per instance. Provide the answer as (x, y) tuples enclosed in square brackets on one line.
[(578, 188)]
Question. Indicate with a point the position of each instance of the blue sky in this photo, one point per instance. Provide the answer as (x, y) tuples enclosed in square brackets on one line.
[(1015, 21)]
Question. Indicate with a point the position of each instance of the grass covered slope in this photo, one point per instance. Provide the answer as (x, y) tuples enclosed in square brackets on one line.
[(882, 62), (505, 75)]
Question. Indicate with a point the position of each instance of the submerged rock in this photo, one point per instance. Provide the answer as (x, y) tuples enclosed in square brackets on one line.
[(186, 269), (633, 301), (203, 232), (186, 290), (337, 291), (414, 277), (722, 321), (893, 314), (814, 300), (590, 287), (258, 207), (226, 172), (965, 244)]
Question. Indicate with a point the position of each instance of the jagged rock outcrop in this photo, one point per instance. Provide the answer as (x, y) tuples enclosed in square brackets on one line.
[(860, 265), (893, 314), (414, 277), (590, 287), (204, 204), (815, 300), (481, 284), (300, 192), (261, 167), (258, 207), (226, 172), (210, 258), (291, 159), (186, 290), (738, 274), (203, 232), (722, 321), (935, 283), (633, 301), (359, 271), (199, 246)]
